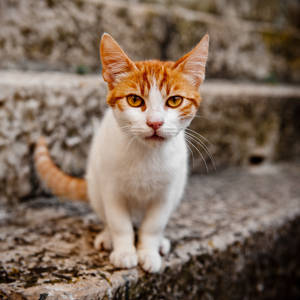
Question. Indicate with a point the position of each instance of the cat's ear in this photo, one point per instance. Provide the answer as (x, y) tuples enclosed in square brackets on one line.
[(192, 65), (115, 63)]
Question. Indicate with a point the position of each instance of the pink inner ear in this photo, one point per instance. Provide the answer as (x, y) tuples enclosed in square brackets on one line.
[(192, 65), (115, 62)]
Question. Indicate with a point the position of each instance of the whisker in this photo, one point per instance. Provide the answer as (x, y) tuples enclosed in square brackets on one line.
[(204, 147), (199, 152), (191, 153), (137, 130), (129, 143), (126, 126), (199, 135), (195, 116), (191, 143)]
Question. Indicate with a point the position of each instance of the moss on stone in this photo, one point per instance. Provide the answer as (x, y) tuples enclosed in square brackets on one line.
[(285, 43), (285, 47)]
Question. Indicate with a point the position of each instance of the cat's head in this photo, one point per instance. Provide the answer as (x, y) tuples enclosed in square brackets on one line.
[(153, 100)]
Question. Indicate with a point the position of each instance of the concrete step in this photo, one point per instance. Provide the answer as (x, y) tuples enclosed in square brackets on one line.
[(235, 236), (246, 124), (69, 37)]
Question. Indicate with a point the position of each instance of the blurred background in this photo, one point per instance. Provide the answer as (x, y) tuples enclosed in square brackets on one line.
[(250, 40)]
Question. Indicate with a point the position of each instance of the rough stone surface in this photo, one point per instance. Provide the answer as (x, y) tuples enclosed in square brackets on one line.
[(69, 37), (235, 236), (244, 124), (57, 106), (279, 12)]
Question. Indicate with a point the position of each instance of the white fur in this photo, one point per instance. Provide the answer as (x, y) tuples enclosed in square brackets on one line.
[(132, 179)]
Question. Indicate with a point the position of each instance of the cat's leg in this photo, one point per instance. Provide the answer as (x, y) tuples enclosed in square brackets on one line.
[(120, 227), (103, 240), (151, 240), (165, 246)]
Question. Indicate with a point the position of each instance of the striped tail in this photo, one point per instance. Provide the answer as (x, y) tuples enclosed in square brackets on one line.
[(56, 180)]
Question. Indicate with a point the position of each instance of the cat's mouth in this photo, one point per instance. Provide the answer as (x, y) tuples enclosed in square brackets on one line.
[(155, 137)]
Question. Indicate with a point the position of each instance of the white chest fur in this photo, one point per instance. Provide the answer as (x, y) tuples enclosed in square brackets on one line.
[(137, 171)]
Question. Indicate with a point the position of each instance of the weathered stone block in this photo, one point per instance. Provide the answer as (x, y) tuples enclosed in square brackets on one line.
[(244, 123), (235, 236), (247, 124), (69, 37), (280, 12), (58, 106)]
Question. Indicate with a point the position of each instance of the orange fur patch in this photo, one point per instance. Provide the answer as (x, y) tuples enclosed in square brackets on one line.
[(57, 181), (186, 110), (120, 105), (169, 81), (125, 77)]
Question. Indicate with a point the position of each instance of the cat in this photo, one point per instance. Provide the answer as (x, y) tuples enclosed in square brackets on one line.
[(138, 162)]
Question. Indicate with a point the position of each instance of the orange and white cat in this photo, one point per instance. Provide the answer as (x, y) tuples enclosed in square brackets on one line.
[(138, 162)]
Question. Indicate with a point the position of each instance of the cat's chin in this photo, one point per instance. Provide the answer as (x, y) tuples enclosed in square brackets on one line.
[(153, 140), (155, 137)]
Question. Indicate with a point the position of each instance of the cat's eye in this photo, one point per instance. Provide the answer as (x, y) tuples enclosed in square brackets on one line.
[(174, 101), (135, 101)]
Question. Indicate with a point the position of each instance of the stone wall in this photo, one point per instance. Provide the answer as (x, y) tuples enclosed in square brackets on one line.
[(280, 12), (245, 124), (64, 35), (57, 106)]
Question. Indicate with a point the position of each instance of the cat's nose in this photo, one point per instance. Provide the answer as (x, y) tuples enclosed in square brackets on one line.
[(154, 125)]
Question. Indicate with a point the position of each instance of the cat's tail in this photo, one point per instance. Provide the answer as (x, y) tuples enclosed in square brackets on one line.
[(55, 179)]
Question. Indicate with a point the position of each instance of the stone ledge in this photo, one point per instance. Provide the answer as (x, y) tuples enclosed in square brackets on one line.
[(235, 235), (243, 121)]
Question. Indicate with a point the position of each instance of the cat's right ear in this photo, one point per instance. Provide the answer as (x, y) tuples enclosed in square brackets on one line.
[(192, 65), (115, 63)]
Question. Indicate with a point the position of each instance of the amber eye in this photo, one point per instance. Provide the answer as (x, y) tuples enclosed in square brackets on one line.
[(174, 101), (135, 101)]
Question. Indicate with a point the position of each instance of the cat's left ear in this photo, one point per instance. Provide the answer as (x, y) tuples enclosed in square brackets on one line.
[(115, 63), (192, 65)]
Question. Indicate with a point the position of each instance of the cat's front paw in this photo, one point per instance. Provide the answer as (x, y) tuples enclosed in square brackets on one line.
[(103, 241), (165, 246), (149, 260), (124, 258)]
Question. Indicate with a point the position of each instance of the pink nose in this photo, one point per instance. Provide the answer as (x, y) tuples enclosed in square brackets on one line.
[(154, 125)]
